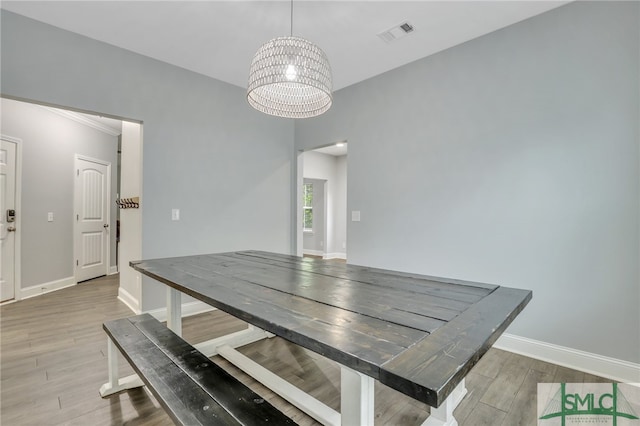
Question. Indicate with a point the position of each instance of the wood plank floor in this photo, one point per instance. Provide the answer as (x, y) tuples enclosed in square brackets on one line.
[(53, 361)]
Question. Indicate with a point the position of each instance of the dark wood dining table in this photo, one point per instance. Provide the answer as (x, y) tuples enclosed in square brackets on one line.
[(414, 333)]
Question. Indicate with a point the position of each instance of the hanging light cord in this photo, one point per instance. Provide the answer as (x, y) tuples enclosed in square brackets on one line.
[(291, 18)]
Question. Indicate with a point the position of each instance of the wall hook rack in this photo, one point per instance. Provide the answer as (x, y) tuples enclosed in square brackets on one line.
[(128, 203)]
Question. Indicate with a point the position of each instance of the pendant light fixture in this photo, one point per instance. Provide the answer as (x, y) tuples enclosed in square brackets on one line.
[(290, 77)]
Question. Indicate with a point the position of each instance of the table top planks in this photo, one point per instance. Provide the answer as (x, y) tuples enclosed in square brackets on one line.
[(417, 334)]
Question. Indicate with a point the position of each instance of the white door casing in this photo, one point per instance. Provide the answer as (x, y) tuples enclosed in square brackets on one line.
[(8, 238), (91, 230)]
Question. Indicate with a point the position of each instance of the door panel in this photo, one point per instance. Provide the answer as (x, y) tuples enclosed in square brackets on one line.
[(92, 217), (92, 243), (7, 229)]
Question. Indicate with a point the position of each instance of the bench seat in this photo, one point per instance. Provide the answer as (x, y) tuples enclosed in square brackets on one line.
[(189, 386)]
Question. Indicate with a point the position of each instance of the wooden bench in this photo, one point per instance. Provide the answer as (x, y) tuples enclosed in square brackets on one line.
[(189, 386)]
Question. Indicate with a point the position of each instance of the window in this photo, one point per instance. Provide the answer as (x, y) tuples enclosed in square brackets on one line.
[(308, 207)]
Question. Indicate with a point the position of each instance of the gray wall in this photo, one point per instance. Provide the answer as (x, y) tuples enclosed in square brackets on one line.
[(205, 150), (49, 144), (511, 159)]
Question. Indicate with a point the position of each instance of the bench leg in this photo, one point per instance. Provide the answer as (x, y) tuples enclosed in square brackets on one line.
[(443, 415), (357, 398), (174, 311), (115, 385), (112, 360)]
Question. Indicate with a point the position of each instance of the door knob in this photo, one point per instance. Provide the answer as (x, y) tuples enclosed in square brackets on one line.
[(11, 229), (106, 225)]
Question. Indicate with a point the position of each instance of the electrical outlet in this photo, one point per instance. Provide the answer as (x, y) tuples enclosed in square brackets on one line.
[(50, 217)]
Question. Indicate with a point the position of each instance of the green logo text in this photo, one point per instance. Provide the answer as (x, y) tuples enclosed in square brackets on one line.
[(612, 404)]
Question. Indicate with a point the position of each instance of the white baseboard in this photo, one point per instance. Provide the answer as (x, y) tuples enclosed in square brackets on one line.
[(325, 255), (599, 365), (188, 309), (335, 256), (113, 270), (132, 303), (37, 290)]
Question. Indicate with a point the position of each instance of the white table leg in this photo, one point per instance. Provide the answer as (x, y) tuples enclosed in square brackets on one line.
[(443, 415), (356, 398), (174, 311)]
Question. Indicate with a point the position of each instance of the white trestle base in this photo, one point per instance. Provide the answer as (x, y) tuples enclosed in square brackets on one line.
[(443, 415), (174, 323), (305, 402), (208, 348), (234, 340)]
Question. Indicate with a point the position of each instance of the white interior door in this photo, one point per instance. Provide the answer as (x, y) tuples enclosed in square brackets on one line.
[(7, 226), (92, 218)]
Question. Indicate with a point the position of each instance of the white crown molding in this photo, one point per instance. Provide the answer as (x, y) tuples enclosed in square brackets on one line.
[(82, 119)]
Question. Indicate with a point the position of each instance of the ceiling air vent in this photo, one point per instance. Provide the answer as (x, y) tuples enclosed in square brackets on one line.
[(396, 32)]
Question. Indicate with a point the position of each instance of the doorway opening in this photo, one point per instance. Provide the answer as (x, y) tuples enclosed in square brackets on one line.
[(57, 144), (322, 209)]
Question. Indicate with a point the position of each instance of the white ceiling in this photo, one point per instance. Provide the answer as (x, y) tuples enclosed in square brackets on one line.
[(219, 38)]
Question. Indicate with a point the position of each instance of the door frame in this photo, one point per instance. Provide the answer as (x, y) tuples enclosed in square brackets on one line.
[(76, 209), (297, 244), (321, 184), (17, 259)]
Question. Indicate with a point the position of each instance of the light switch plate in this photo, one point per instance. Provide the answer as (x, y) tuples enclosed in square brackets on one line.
[(50, 217), (355, 216), (175, 214)]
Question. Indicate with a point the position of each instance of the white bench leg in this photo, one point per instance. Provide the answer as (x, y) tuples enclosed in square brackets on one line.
[(174, 311), (112, 360), (443, 415), (356, 398), (115, 385)]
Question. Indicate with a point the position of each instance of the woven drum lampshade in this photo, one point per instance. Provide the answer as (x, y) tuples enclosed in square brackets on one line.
[(290, 77)]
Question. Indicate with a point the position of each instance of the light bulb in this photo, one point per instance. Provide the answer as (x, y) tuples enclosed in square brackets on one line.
[(291, 72)]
